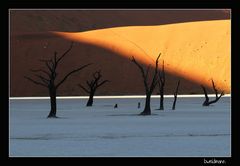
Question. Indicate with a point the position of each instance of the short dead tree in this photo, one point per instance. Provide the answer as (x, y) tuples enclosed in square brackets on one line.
[(175, 96), (207, 102), (92, 86)]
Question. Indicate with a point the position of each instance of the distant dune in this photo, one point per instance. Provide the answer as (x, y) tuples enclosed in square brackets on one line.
[(179, 35), (198, 51), (23, 21)]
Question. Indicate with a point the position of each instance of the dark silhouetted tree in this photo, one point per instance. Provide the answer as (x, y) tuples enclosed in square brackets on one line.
[(175, 96), (148, 87), (207, 102), (93, 85), (47, 78), (161, 83)]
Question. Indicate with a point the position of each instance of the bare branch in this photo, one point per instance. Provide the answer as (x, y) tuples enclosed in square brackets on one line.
[(65, 53), (175, 94), (40, 70), (139, 66), (155, 78), (81, 86), (142, 72), (44, 80), (49, 67), (207, 102), (205, 93), (216, 91), (162, 77), (214, 88), (147, 71), (222, 93), (216, 99), (53, 64), (103, 82), (35, 82), (70, 73), (97, 76), (89, 84)]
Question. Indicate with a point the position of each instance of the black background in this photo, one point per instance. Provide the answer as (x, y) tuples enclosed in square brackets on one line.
[(157, 4)]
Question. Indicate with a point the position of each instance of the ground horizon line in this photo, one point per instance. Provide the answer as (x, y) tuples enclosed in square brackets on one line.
[(115, 96)]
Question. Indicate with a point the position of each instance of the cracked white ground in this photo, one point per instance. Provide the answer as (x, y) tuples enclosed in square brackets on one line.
[(101, 130)]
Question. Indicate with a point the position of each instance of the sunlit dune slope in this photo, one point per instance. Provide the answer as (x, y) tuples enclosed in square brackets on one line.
[(198, 51)]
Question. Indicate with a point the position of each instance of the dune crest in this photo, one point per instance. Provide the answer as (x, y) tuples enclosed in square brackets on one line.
[(198, 51)]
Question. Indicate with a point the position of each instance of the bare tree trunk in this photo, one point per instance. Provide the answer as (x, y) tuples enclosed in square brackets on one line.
[(90, 100), (161, 84), (206, 102), (175, 96), (53, 111), (174, 102), (161, 98), (147, 109)]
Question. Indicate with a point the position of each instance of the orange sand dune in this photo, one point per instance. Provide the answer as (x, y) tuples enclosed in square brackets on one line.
[(198, 51)]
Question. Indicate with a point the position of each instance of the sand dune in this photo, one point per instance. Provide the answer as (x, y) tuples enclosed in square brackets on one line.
[(30, 40), (198, 51)]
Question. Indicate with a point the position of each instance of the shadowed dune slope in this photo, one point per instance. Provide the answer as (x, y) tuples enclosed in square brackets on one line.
[(123, 74), (197, 51)]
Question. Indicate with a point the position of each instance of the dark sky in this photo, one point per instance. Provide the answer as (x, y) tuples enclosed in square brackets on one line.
[(83, 20)]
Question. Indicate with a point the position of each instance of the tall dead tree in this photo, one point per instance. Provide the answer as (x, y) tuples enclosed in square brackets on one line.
[(93, 85), (207, 102), (148, 87), (161, 84), (47, 78), (175, 96)]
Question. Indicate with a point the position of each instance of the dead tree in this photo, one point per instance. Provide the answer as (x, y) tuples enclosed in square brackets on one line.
[(47, 78), (161, 84), (93, 85), (207, 102), (148, 87), (175, 96)]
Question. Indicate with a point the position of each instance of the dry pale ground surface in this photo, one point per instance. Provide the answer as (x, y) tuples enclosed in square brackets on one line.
[(101, 130)]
